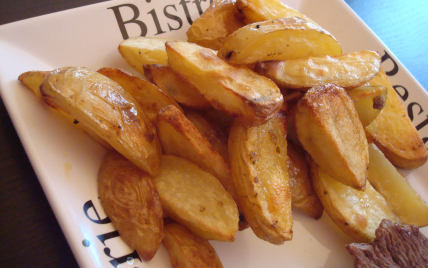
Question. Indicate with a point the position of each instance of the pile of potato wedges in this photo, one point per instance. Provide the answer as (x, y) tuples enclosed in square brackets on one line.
[(257, 111)]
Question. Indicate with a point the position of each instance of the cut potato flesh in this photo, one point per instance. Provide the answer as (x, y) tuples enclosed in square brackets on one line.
[(108, 110), (356, 213), (329, 129), (176, 86), (401, 197), (347, 70), (258, 157), (187, 250), (237, 91), (397, 138), (303, 195), (138, 51), (129, 198), (279, 39), (150, 98), (196, 199), (217, 22), (261, 10), (368, 101), (181, 138)]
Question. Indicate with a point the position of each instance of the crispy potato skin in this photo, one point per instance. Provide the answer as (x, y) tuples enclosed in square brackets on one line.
[(176, 86), (181, 138), (188, 250), (108, 110), (397, 138), (347, 70), (329, 129), (33, 79), (237, 91), (303, 195), (258, 158), (130, 200), (398, 193), (196, 199), (139, 50), (261, 10), (150, 98), (356, 213), (215, 24), (278, 39), (211, 131)]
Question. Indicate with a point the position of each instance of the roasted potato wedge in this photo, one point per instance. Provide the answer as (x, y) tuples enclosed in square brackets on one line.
[(196, 199), (103, 106), (400, 196), (397, 138), (188, 250), (150, 98), (217, 22), (237, 91), (329, 129), (222, 119), (261, 10), (176, 86), (33, 79), (303, 195), (368, 101), (181, 138), (279, 39), (139, 50), (371, 132), (356, 213), (211, 131), (129, 198), (347, 70), (258, 157)]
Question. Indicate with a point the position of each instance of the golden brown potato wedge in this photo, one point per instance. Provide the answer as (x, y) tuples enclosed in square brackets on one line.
[(347, 70), (400, 196), (258, 157), (196, 199), (129, 198), (181, 138), (33, 79), (371, 132), (279, 39), (188, 250), (303, 195), (329, 129), (356, 213), (103, 106), (220, 20), (237, 91), (211, 131), (368, 101), (222, 119), (261, 10), (397, 138), (139, 50), (150, 98), (176, 86)]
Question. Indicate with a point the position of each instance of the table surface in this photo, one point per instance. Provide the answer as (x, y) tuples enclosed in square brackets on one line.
[(29, 233)]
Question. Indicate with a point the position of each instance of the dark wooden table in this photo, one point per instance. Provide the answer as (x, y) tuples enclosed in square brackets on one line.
[(29, 233)]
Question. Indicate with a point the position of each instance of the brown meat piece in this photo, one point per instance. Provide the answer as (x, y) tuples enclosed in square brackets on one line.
[(396, 245)]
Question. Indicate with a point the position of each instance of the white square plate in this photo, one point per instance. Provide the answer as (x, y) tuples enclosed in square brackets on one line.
[(66, 161)]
